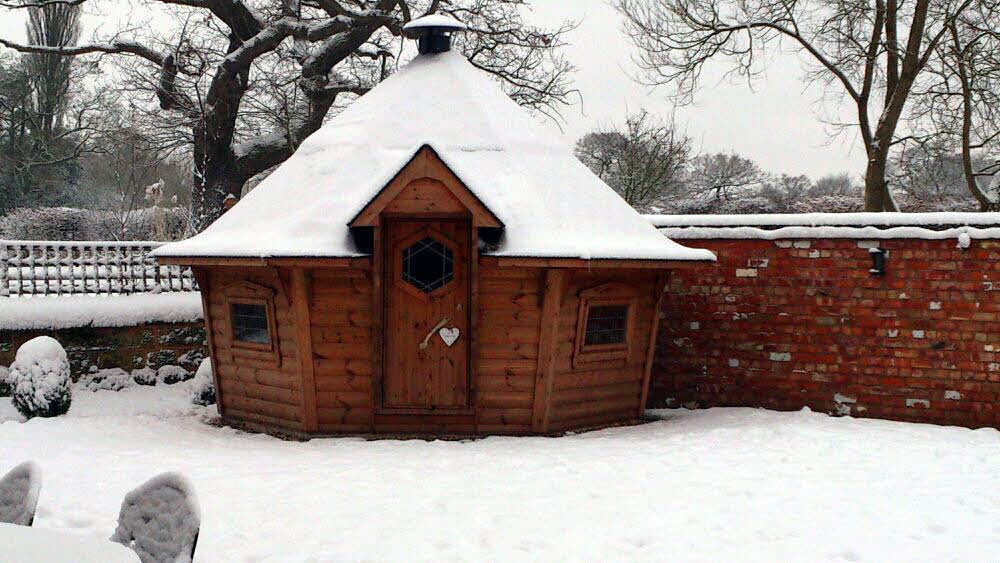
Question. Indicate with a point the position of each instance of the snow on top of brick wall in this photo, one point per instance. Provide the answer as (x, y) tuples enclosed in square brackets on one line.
[(55, 312), (931, 226)]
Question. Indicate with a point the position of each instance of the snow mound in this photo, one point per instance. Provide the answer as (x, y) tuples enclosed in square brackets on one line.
[(19, 490), (144, 376), (40, 378), (160, 520), (4, 381), (171, 374), (113, 379), (203, 386)]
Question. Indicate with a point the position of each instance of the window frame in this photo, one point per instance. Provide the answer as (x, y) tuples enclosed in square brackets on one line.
[(596, 356), (246, 293), (250, 345)]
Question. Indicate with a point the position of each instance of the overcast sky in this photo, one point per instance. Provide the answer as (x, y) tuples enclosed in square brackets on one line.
[(776, 123)]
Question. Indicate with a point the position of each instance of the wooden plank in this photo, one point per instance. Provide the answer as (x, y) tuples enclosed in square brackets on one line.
[(343, 399), (506, 383), (342, 417), (588, 410), (647, 371), (344, 367), (545, 371), (268, 393), (505, 399), (204, 284), (600, 394), (210, 261), (265, 422), (266, 408), (505, 417), (303, 336), (343, 383), (597, 378), (377, 320)]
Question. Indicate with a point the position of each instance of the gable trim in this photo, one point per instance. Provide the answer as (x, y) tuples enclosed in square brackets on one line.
[(482, 215)]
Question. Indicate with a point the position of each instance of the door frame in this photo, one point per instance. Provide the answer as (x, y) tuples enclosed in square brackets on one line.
[(381, 287)]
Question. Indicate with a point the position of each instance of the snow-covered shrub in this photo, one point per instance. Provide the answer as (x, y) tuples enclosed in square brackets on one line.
[(4, 384), (40, 378), (203, 388), (48, 223), (19, 494), (160, 520), (114, 379), (144, 376), (173, 374)]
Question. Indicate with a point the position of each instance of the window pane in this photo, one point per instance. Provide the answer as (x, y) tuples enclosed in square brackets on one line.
[(250, 323), (606, 324), (428, 265)]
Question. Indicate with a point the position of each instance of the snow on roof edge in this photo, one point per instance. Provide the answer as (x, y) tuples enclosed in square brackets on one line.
[(828, 232), (866, 219)]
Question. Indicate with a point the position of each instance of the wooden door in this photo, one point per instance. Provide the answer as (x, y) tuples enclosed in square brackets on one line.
[(427, 296)]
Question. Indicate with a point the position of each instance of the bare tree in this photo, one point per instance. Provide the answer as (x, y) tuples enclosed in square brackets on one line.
[(643, 163), (721, 175), (124, 165), (56, 26), (872, 52), (834, 185), (245, 82), (958, 109)]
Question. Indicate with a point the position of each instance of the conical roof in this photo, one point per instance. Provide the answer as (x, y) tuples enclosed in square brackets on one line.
[(550, 203)]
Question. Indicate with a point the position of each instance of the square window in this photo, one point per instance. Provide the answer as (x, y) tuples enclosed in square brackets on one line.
[(606, 324), (605, 327), (250, 323)]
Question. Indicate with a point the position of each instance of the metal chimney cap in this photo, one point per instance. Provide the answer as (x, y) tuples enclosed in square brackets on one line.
[(434, 23)]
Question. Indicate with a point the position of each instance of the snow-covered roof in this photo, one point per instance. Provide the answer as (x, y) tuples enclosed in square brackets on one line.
[(550, 203)]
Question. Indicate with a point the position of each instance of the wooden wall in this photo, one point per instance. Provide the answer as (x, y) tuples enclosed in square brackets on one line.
[(591, 397), (506, 369), (510, 304), (255, 391), (341, 321)]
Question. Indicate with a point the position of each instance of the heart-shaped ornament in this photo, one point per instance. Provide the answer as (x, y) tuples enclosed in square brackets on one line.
[(449, 335)]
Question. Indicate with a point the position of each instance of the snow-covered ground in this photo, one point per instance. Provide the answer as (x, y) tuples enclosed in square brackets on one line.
[(720, 484)]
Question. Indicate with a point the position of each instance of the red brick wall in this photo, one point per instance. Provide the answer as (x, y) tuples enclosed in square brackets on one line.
[(801, 322)]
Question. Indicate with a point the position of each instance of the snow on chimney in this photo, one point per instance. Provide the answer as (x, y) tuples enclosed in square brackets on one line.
[(433, 32)]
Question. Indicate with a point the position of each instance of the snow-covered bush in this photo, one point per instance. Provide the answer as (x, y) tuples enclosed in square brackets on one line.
[(173, 374), (67, 223), (203, 388), (19, 494), (160, 520), (4, 384), (48, 223), (114, 379), (40, 378), (144, 376)]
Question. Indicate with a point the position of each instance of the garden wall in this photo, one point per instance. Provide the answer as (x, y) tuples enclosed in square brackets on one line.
[(126, 332), (792, 317)]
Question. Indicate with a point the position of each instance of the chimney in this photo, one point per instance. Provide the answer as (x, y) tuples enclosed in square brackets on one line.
[(433, 32)]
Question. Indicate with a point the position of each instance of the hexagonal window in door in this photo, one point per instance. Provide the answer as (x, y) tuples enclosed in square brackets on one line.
[(428, 265)]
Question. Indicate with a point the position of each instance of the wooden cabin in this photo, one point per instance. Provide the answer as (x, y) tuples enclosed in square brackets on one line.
[(431, 261)]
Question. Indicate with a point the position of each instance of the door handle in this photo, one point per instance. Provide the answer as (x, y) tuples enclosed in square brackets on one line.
[(437, 327)]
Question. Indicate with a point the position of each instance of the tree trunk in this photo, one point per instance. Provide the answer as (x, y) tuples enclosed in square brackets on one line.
[(214, 178), (875, 185)]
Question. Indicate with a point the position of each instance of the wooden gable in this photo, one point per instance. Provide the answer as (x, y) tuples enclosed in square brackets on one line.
[(426, 187)]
